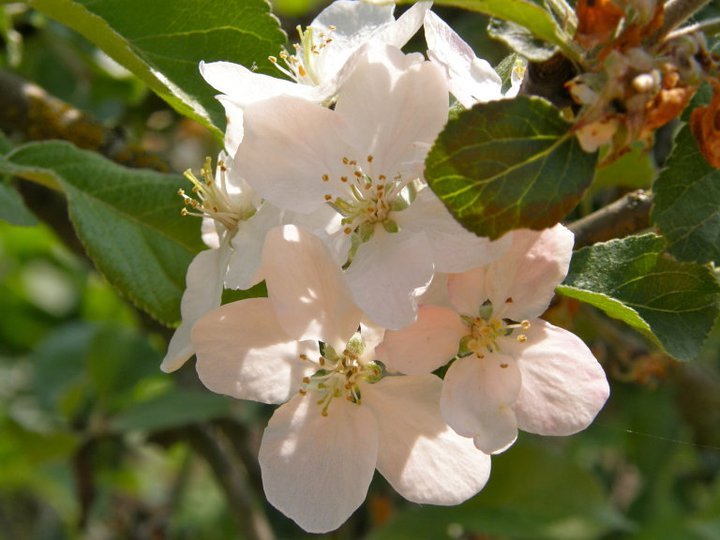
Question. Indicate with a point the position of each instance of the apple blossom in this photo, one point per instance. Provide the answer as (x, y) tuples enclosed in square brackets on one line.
[(322, 60), (512, 369), (234, 224), (343, 414), (365, 160), (223, 203), (470, 79)]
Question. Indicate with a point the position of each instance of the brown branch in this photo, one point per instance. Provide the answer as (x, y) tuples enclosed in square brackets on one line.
[(627, 215), (230, 473), (29, 111)]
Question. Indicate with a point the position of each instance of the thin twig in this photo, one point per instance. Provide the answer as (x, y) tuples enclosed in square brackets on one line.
[(708, 26), (678, 11), (627, 215)]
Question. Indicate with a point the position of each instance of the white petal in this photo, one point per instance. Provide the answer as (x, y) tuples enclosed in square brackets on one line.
[(243, 86), (288, 147), (430, 342), (454, 248), (477, 399), (234, 130), (471, 80), (529, 271), (422, 458), (307, 288), (203, 293), (385, 273), (563, 385), (349, 25), (521, 283), (401, 31), (394, 107), (317, 469), (242, 352), (244, 267)]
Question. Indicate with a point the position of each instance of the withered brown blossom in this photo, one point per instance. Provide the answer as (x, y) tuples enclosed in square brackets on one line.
[(634, 80), (705, 125)]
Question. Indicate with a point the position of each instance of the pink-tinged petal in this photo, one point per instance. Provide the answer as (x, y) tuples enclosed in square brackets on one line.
[(530, 270), (454, 248), (521, 283), (430, 342), (437, 293), (468, 291), (477, 400), (386, 272), (422, 458), (317, 469), (243, 352), (307, 288), (292, 153), (243, 86), (247, 242), (471, 79), (203, 293), (563, 385), (394, 107)]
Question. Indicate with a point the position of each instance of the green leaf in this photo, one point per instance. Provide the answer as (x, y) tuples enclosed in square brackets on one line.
[(521, 40), (515, 504), (527, 14), (509, 164), (631, 279), (128, 219), (162, 42), (12, 207), (177, 407), (686, 207)]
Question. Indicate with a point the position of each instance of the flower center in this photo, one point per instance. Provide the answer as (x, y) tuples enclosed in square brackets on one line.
[(485, 330), (340, 375), (211, 198), (369, 199), (302, 67)]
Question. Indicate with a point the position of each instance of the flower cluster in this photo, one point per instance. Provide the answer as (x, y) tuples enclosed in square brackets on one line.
[(371, 283)]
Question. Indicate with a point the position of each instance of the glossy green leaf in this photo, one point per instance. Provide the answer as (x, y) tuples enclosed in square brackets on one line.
[(128, 219), (509, 164), (686, 207), (521, 40), (162, 41), (524, 13), (633, 280), (531, 494)]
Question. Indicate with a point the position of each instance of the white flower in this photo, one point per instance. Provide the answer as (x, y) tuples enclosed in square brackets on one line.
[(513, 370), (365, 160), (342, 417), (234, 224), (322, 60), (470, 79)]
